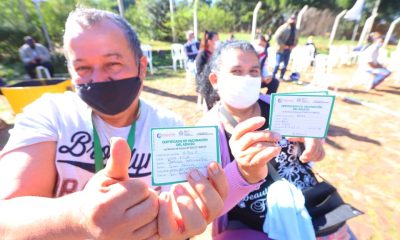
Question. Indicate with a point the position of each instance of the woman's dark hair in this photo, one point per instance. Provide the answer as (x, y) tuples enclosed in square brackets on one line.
[(204, 86), (207, 37), (261, 37)]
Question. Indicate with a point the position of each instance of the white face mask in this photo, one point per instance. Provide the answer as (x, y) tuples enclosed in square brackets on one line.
[(239, 92), (217, 44)]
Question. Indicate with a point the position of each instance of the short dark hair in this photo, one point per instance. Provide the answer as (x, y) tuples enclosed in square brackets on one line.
[(27, 38), (87, 17)]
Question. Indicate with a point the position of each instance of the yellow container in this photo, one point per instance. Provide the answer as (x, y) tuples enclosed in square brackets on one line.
[(25, 92)]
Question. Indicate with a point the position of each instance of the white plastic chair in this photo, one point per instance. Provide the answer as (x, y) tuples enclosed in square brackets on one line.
[(146, 49), (394, 65), (178, 55), (383, 56), (323, 73), (40, 71), (301, 58), (339, 55), (271, 60)]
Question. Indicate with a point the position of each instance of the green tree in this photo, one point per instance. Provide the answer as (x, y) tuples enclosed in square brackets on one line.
[(150, 18)]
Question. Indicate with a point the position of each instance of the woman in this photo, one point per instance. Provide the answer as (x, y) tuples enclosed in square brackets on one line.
[(209, 43), (261, 46), (234, 73)]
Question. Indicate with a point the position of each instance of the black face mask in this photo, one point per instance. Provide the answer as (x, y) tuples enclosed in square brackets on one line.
[(110, 97)]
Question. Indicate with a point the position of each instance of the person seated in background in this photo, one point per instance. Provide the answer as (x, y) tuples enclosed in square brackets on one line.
[(34, 54), (368, 60), (234, 73), (231, 37), (267, 80), (192, 47)]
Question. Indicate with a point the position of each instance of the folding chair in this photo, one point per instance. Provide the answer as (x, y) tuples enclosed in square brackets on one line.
[(40, 71), (323, 73), (178, 55), (301, 58), (146, 49), (394, 66)]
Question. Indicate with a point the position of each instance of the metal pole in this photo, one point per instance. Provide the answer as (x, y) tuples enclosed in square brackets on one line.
[(300, 16), (171, 9), (195, 19), (366, 29), (353, 36), (46, 35), (121, 8), (398, 46), (335, 25), (390, 31), (254, 25)]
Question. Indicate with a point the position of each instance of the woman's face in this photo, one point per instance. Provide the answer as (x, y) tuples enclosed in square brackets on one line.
[(239, 63), (238, 80), (212, 43)]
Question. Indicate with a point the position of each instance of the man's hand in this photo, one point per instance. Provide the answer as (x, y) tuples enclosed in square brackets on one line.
[(186, 210), (253, 148), (116, 207)]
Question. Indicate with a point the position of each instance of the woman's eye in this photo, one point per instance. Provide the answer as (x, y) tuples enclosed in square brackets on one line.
[(236, 72)]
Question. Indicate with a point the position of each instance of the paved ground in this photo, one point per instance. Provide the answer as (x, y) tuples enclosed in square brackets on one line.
[(362, 147)]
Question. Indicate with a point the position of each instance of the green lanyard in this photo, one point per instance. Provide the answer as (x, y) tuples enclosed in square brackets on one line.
[(98, 153)]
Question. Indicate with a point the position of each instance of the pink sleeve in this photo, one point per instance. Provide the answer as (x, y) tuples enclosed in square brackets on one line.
[(238, 186)]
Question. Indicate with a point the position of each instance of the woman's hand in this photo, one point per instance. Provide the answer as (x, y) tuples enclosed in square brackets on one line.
[(314, 150), (253, 148)]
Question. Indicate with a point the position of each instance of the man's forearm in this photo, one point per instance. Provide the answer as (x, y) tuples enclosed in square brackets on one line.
[(40, 218)]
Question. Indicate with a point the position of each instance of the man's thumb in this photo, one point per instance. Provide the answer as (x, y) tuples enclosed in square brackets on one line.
[(118, 163)]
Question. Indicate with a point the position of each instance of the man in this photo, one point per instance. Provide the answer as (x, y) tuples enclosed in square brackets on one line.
[(286, 37), (52, 181), (369, 60), (33, 55)]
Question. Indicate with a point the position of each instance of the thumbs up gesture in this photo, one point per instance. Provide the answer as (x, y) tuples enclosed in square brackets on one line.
[(116, 207)]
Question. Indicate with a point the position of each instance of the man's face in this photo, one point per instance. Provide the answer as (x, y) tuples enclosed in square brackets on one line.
[(30, 42), (100, 53), (191, 37)]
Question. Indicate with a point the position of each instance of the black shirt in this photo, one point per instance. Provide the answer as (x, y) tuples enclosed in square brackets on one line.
[(290, 40)]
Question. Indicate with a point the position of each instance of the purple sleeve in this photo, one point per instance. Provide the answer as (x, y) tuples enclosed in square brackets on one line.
[(238, 186)]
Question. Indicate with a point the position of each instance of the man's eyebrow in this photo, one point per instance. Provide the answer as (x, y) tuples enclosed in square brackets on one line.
[(78, 60), (118, 55)]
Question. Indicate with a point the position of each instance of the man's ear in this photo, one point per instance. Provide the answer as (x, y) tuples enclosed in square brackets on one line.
[(213, 79), (143, 67)]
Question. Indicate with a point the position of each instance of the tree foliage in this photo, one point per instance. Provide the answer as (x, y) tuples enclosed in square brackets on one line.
[(151, 18)]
